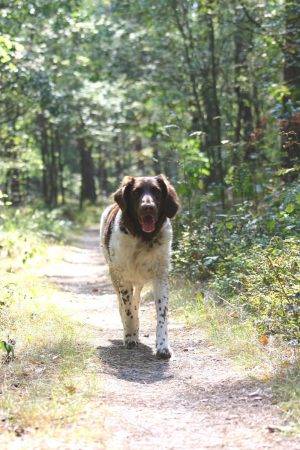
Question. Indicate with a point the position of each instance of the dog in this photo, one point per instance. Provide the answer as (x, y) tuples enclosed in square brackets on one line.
[(136, 238)]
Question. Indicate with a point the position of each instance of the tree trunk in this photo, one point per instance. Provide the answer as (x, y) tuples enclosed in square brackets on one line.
[(245, 155), (244, 121), (213, 115), (87, 188), (12, 186), (60, 167), (180, 13), (291, 75), (42, 124), (53, 173)]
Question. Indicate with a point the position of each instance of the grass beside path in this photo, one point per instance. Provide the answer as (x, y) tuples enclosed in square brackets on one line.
[(47, 391)]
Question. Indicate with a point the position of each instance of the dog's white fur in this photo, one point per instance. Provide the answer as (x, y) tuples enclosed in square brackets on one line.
[(133, 263)]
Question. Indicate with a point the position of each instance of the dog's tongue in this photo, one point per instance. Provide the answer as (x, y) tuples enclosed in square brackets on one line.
[(148, 224)]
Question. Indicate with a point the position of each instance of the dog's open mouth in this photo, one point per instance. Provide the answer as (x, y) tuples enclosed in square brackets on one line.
[(147, 223)]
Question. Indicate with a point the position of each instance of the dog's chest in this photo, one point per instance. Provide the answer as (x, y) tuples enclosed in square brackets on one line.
[(136, 260)]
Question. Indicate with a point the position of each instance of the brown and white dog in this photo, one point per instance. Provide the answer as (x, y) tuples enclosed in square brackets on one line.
[(136, 237)]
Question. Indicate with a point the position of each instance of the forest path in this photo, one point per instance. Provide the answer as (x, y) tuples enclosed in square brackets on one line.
[(197, 400)]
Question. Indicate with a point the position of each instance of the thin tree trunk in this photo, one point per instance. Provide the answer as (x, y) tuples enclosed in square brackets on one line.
[(213, 115), (291, 74), (188, 45), (42, 124), (244, 121), (87, 188), (12, 186), (60, 167), (53, 169)]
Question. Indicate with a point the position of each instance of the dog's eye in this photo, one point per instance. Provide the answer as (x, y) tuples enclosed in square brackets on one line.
[(155, 191), (138, 191)]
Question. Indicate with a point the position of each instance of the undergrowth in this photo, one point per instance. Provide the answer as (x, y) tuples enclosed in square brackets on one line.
[(25, 230), (55, 370), (249, 257)]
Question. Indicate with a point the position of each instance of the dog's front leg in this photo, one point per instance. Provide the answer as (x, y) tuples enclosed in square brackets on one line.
[(161, 295), (129, 311)]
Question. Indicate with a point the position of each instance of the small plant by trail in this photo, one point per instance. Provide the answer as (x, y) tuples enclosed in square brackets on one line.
[(8, 346)]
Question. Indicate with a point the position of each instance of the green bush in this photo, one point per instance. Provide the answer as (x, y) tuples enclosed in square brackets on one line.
[(249, 256)]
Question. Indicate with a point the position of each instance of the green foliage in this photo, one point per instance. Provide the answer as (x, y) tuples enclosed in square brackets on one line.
[(8, 347), (286, 387), (194, 166), (22, 229), (249, 257), (24, 234), (101, 79), (264, 281)]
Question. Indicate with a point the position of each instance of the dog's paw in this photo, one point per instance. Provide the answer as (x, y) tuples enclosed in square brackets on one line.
[(163, 353), (130, 344)]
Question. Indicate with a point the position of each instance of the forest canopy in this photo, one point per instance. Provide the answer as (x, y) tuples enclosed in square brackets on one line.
[(206, 92)]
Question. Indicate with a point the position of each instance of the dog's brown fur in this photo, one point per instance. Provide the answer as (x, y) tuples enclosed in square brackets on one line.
[(167, 202), (109, 224)]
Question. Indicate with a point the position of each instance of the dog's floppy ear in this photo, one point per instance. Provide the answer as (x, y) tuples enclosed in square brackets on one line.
[(171, 199), (121, 195)]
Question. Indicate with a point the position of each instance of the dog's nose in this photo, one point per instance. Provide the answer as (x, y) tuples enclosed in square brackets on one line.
[(147, 203)]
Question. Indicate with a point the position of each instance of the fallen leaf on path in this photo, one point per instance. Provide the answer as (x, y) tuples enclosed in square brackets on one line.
[(19, 431), (71, 389), (35, 361), (272, 429), (264, 339)]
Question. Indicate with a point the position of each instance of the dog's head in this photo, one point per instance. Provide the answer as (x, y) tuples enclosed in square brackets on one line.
[(146, 202)]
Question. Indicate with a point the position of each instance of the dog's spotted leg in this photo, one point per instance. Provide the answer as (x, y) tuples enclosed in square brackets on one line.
[(127, 308), (161, 295), (129, 311)]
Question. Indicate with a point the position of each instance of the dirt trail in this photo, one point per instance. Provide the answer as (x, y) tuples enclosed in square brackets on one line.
[(197, 400)]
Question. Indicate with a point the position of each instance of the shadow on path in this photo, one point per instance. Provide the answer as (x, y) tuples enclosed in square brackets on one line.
[(138, 365)]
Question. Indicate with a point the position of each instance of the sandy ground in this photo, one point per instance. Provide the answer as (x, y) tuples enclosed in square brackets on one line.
[(197, 400)]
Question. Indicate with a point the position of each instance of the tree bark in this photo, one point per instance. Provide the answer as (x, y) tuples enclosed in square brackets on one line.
[(60, 167), (291, 74), (53, 172), (42, 124), (87, 188), (213, 114), (182, 23), (244, 121)]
